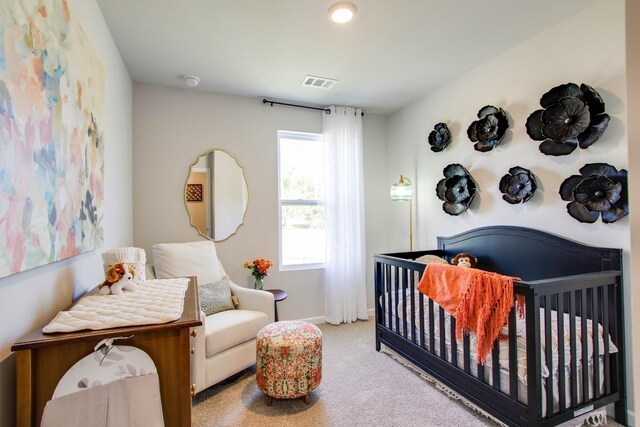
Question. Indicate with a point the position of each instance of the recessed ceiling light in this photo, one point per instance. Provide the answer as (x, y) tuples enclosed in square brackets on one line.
[(191, 81), (342, 12)]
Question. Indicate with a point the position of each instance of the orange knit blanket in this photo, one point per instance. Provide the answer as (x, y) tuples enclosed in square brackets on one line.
[(479, 300)]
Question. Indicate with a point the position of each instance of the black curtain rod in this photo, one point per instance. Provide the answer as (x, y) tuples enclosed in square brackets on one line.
[(268, 101)]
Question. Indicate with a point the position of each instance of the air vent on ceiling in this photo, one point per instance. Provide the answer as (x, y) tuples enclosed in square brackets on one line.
[(318, 82)]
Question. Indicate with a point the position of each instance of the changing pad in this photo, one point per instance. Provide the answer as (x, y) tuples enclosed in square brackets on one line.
[(155, 301)]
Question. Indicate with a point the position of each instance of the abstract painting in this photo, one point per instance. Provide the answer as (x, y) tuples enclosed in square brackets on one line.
[(51, 147)]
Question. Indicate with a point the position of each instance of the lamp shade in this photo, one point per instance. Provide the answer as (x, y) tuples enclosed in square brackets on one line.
[(402, 190)]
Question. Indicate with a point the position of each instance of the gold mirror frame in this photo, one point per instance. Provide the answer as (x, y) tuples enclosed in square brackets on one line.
[(201, 191)]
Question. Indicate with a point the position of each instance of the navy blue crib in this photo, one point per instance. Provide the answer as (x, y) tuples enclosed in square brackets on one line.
[(562, 280)]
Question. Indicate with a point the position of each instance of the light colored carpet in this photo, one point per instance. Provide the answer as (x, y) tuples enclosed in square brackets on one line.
[(360, 387)]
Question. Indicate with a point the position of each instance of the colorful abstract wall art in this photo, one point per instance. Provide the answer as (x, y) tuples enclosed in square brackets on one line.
[(51, 148)]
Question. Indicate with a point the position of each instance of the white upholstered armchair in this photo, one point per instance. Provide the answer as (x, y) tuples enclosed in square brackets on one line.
[(226, 342)]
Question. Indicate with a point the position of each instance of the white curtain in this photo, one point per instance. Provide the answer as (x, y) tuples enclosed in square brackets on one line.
[(345, 275)]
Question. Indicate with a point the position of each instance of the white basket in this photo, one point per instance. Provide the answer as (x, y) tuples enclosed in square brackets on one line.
[(136, 258)]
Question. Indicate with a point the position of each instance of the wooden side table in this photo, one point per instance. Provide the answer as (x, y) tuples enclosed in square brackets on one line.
[(278, 295)]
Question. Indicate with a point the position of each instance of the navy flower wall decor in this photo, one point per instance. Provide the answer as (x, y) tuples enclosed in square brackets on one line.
[(572, 116), (600, 189), (457, 189), (518, 186), (489, 129), (439, 137)]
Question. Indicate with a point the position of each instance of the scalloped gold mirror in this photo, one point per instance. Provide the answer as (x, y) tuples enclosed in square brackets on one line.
[(216, 195)]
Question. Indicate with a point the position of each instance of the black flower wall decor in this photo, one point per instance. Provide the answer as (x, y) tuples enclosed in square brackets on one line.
[(439, 138), (457, 189), (600, 189), (518, 186), (571, 116), (489, 129)]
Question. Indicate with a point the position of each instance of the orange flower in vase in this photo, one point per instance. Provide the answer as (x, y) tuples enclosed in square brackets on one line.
[(259, 268)]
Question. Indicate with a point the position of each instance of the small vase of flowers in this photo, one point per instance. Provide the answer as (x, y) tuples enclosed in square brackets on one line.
[(259, 268)]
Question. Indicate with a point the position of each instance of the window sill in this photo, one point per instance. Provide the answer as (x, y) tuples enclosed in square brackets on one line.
[(297, 267)]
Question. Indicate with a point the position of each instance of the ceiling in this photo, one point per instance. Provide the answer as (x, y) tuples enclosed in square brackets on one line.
[(391, 54)]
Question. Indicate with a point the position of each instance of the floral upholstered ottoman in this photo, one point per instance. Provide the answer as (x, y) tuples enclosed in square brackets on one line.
[(288, 360)]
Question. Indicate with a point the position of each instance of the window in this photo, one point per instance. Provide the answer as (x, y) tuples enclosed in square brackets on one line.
[(301, 200)]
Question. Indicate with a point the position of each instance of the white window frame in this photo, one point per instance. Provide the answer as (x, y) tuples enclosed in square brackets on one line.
[(306, 136)]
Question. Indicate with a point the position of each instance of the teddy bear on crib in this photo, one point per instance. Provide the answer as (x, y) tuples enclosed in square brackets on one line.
[(119, 278), (464, 259)]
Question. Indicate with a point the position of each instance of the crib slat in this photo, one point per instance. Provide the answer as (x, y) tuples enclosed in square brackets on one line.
[(383, 293), (467, 353), (396, 281), (618, 370), (421, 308), (572, 344), (391, 297), (548, 355), (596, 341), (432, 338), (386, 295), (442, 334), (412, 295), (403, 282), (513, 351), (495, 364), (562, 398), (480, 372), (605, 325), (534, 359), (454, 343), (584, 358)]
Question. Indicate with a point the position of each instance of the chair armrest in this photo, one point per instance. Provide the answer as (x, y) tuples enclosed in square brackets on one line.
[(253, 299)]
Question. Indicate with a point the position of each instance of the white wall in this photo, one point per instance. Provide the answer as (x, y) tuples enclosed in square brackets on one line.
[(172, 127), (588, 47), (31, 298), (376, 193)]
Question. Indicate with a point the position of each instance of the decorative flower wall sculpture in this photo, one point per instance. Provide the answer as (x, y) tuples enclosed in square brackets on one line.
[(457, 189), (518, 186), (488, 131), (599, 189), (572, 115), (440, 137)]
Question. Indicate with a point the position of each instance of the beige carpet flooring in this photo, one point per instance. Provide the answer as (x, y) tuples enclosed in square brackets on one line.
[(360, 387)]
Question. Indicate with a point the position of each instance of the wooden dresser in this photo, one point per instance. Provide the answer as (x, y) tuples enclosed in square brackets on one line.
[(43, 359)]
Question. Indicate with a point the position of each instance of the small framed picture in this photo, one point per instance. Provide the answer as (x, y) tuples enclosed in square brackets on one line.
[(194, 192)]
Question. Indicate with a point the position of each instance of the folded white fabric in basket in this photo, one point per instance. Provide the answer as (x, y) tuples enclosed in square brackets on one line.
[(155, 301), (135, 257)]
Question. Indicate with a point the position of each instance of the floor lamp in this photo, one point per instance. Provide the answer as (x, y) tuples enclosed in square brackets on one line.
[(402, 191)]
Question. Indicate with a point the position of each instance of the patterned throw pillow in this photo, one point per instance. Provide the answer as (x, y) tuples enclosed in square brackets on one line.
[(215, 297)]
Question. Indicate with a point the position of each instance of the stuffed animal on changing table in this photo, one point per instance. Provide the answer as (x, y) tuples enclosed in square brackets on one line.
[(119, 278), (464, 259)]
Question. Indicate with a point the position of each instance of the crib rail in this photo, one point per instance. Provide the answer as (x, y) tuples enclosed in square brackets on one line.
[(590, 301), (415, 327)]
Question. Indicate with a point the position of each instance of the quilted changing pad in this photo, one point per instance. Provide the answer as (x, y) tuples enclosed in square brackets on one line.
[(155, 301)]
